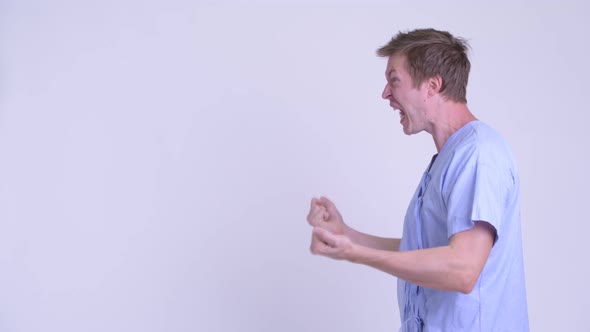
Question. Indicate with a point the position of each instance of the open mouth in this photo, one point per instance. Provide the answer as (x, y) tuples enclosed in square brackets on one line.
[(402, 115)]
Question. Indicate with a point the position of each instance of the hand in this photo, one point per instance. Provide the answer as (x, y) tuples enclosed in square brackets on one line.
[(323, 214), (328, 238), (317, 213), (331, 245)]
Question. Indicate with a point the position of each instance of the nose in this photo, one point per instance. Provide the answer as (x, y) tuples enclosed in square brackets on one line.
[(386, 92)]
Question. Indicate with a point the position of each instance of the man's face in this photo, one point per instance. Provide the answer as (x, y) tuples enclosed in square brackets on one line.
[(404, 97)]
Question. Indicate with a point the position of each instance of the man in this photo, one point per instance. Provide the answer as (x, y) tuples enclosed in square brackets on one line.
[(459, 262)]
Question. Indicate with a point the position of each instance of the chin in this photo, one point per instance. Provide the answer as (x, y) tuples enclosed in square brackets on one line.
[(410, 131)]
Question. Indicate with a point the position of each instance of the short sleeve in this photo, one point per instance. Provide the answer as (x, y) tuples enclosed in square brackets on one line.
[(477, 192)]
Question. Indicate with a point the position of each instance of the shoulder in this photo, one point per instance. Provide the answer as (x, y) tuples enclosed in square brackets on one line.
[(483, 145), (477, 151)]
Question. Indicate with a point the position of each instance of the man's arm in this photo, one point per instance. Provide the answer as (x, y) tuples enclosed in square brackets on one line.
[(455, 267), (371, 241), (323, 214)]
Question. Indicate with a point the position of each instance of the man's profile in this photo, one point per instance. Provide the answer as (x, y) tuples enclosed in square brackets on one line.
[(459, 261)]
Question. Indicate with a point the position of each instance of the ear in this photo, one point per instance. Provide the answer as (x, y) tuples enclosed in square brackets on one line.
[(434, 85)]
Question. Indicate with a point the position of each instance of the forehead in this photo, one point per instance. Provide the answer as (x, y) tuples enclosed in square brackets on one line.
[(396, 64)]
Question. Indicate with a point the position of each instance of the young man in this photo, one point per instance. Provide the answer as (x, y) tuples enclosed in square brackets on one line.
[(459, 262)]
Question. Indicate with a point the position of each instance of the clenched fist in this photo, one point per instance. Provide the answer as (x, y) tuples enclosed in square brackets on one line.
[(328, 236)]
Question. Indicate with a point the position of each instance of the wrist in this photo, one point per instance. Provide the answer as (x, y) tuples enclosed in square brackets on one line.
[(353, 253), (348, 232)]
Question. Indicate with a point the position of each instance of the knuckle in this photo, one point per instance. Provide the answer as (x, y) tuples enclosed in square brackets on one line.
[(313, 249)]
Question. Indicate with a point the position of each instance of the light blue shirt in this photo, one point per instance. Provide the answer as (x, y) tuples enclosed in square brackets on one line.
[(474, 177)]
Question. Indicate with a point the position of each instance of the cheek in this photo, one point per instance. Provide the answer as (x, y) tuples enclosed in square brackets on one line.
[(397, 96), (415, 99)]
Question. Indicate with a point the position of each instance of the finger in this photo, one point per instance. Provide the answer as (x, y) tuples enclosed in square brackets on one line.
[(313, 208), (325, 236), (325, 201), (314, 202), (321, 213), (317, 216), (331, 207), (318, 247)]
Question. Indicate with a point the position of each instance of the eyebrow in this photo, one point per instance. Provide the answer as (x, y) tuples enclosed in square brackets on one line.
[(389, 72)]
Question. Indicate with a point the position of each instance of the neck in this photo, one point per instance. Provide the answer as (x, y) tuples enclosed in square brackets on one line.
[(449, 118)]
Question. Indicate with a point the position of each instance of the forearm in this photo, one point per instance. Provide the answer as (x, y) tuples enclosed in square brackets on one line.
[(437, 268), (371, 241), (455, 267)]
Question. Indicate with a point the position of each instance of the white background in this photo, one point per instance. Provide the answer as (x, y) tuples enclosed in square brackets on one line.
[(157, 158)]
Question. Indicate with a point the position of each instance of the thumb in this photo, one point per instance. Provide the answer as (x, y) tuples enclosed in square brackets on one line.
[(329, 206), (325, 236)]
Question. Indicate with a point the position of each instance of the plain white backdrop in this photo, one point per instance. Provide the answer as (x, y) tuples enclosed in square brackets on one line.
[(157, 158)]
